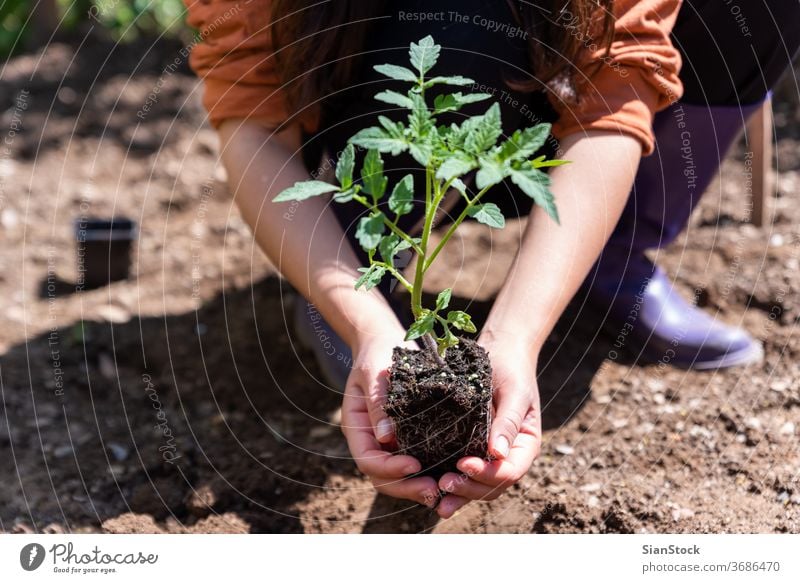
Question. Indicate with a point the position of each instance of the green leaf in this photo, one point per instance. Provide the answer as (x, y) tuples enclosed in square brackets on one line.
[(443, 299), (395, 98), (345, 195), (535, 184), (388, 248), (419, 120), (401, 201), (488, 214), (455, 101), (372, 276), (395, 72), (523, 143), (424, 325), (459, 185), (424, 54), (457, 80), (372, 175), (370, 230), (304, 190), (540, 162), (488, 128), (491, 172), (461, 320), (421, 152), (456, 165), (344, 168), (375, 138)]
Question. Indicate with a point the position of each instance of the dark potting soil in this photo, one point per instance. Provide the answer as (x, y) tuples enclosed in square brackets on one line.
[(441, 413)]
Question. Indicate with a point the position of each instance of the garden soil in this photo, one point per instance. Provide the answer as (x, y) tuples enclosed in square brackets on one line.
[(179, 400)]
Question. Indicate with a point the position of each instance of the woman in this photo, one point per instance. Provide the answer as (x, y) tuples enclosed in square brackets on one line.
[(285, 78)]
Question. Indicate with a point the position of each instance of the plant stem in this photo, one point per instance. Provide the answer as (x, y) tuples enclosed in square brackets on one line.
[(396, 274), (464, 214), (431, 344), (416, 294), (392, 227)]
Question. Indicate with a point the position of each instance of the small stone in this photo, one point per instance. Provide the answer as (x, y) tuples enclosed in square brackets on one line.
[(118, 451), (593, 502), (753, 422), (591, 487), (106, 365), (9, 218), (784, 497), (565, 449), (63, 451), (619, 423), (779, 386), (787, 428), (679, 514)]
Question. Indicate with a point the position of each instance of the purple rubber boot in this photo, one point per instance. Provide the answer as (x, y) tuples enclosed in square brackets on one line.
[(660, 325)]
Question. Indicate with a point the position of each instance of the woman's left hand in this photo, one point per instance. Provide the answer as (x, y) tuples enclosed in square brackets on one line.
[(515, 435)]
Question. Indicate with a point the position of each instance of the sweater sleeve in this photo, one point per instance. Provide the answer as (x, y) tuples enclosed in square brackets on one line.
[(638, 76), (233, 56)]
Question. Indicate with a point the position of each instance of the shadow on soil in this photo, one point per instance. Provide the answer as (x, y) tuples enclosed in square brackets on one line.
[(208, 412)]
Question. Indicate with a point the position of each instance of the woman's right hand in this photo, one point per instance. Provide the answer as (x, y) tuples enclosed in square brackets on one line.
[(370, 433)]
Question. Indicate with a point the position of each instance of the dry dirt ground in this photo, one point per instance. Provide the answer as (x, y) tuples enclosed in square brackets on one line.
[(177, 401)]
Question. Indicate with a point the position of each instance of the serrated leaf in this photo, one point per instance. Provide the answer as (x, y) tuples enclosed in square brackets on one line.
[(424, 325), (523, 143), (371, 277), (304, 190), (397, 72), (490, 172), (344, 167), (456, 165), (455, 101), (487, 128), (424, 54), (535, 184), (461, 320), (401, 201), (419, 120), (388, 248), (443, 299), (372, 175), (488, 214), (421, 153), (395, 98), (456, 80), (370, 231), (459, 185), (375, 138), (540, 162)]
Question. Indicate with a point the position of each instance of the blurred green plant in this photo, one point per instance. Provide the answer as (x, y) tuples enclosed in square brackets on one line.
[(123, 20)]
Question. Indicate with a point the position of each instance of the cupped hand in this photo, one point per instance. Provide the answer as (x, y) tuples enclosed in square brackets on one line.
[(515, 434), (370, 433)]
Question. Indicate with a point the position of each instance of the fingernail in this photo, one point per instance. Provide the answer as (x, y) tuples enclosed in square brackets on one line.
[(501, 446), (384, 429), (411, 469)]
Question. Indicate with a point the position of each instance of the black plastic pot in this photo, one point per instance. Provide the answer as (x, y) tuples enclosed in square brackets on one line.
[(104, 250)]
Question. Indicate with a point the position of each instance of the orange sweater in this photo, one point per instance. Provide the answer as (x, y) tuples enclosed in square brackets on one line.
[(638, 77)]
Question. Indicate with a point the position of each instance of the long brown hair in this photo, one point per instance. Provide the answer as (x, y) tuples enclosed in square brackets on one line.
[(308, 34)]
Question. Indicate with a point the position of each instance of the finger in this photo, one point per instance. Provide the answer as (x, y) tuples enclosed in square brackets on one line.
[(463, 486), (512, 407), (450, 504), (506, 471), (364, 447), (375, 387), (423, 490)]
